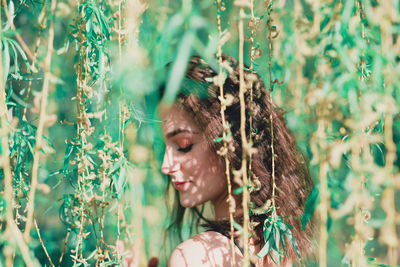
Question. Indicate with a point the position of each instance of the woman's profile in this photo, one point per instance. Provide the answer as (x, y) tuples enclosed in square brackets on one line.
[(192, 160)]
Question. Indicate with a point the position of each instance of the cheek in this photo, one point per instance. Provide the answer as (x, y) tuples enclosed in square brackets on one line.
[(215, 174), (210, 160)]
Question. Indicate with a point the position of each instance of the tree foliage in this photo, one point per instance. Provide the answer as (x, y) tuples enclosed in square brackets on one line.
[(80, 135)]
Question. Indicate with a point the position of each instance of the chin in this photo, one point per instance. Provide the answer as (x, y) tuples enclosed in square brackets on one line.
[(188, 204)]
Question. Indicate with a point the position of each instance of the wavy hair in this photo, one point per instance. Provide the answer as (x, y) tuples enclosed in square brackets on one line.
[(291, 169)]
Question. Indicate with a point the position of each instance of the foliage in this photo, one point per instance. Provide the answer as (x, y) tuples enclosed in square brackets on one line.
[(78, 93)]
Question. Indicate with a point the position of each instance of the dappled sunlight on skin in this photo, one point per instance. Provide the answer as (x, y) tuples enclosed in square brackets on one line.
[(205, 249), (212, 249), (199, 176), (188, 160)]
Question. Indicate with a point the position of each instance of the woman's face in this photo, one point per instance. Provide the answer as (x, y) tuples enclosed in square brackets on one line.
[(195, 170)]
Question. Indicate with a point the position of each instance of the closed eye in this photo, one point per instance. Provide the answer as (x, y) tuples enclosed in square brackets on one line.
[(185, 149)]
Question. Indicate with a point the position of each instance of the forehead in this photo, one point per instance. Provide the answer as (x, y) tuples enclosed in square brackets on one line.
[(174, 118)]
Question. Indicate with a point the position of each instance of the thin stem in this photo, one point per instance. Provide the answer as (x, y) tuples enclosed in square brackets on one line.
[(12, 232), (242, 89), (64, 247), (43, 17), (358, 242), (324, 204), (8, 187), (41, 242), (18, 237), (323, 207), (224, 136), (80, 119), (390, 191), (271, 82), (42, 118), (390, 201), (252, 57)]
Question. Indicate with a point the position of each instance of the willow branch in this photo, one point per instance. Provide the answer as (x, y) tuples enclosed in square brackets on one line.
[(65, 245), (18, 237), (224, 136), (8, 188), (42, 119), (324, 205), (18, 36), (12, 232), (271, 115), (389, 17), (42, 17), (41, 242), (242, 89), (390, 191)]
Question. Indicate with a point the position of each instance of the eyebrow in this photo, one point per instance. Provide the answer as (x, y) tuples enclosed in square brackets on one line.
[(178, 131)]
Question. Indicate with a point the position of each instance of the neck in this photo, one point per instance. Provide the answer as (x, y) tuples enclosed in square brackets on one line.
[(221, 207)]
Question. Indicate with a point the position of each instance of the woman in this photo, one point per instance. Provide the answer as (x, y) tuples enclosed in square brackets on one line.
[(190, 127)]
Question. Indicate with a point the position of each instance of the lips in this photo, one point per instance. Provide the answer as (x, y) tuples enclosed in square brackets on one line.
[(181, 186)]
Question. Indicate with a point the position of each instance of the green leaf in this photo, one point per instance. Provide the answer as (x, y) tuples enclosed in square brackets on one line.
[(293, 241), (238, 190), (283, 241), (220, 139), (311, 204), (267, 232), (178, 69), (15, 57), (277, 240), (172, 29), (264, 251), (118, 165), (237, 226), (6, 60), (22, 53)]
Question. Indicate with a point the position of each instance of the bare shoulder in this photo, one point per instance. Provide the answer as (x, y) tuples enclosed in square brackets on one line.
[(207, 249)]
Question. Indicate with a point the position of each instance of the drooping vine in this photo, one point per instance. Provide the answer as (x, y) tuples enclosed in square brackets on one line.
[(226, 130), (42, 119), (245, 144), (338, 64)]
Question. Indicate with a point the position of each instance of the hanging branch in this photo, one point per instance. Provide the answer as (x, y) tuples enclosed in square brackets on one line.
[(42, 26), (121, 105), (12, 232), (64, 247), (319, 149), (19, 38), (388, 196), (358, 255), (254, 53), (389, 233), (133, 20), (120, 119), (324, 194), (41, 242), (42, 119), (245, 144), (271, 82), (8, 187), (359, 240), (226, 132), (81, 138)]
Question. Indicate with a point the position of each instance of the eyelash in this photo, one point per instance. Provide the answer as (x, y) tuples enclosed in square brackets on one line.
[(185, 149)]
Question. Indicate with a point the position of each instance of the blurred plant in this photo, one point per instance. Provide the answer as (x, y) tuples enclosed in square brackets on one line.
[(338, 70)]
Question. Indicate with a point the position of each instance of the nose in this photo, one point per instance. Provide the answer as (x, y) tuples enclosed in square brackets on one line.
[(169, 165)]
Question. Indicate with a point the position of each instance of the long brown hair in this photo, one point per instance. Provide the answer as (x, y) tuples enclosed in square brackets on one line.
[(292, 176)]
